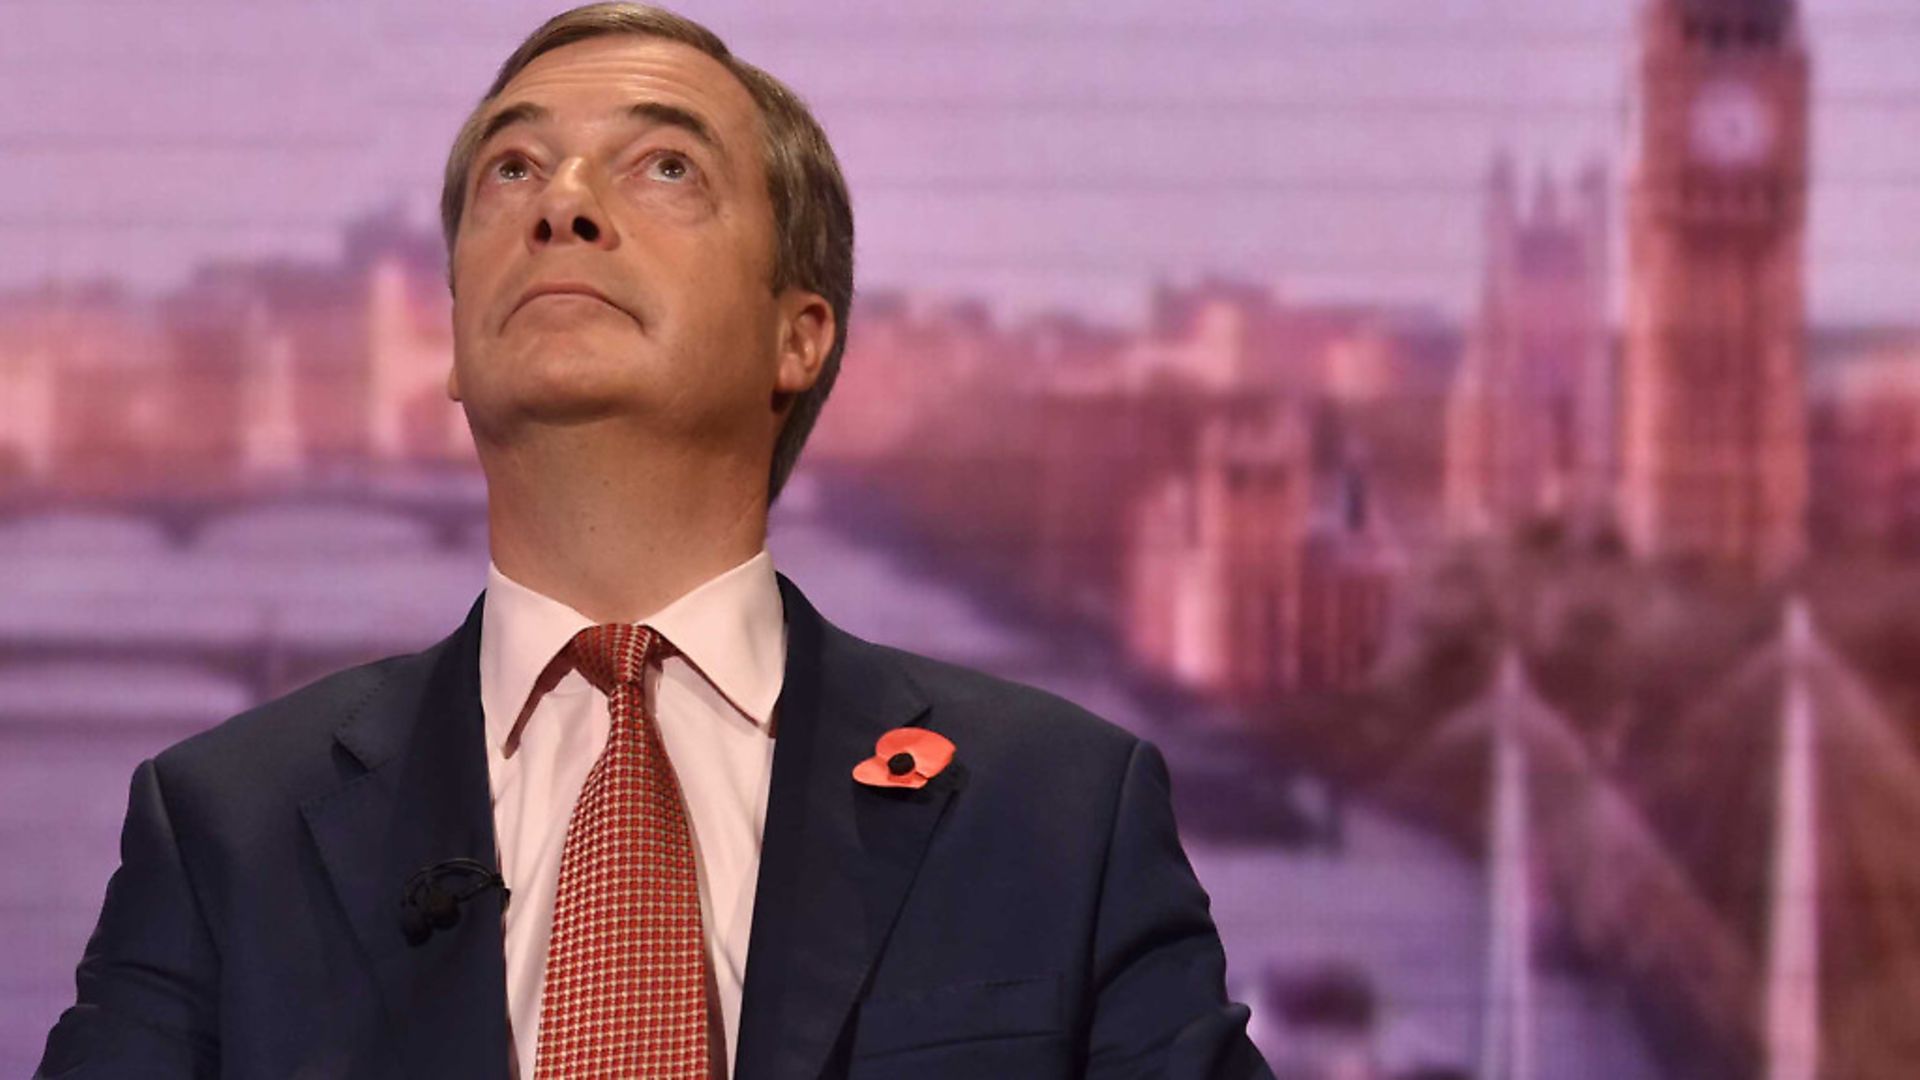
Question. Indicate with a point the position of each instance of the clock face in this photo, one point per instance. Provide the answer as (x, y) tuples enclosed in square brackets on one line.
[(1731, 124)]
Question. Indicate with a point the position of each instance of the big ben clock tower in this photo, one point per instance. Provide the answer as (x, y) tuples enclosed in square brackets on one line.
[(1714, 439)]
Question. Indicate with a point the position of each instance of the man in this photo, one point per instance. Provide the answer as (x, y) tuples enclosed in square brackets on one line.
[(713, 864)]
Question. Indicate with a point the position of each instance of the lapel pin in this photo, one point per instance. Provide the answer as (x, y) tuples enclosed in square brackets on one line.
[(906, 757)]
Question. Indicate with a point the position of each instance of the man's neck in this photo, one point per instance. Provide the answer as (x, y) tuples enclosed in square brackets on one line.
[(617, 533)]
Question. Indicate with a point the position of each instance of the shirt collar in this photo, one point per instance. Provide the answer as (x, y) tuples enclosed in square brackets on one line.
[(731, 629)]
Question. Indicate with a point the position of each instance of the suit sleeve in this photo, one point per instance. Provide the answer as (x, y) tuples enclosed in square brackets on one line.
[(147, 981), (1161, 1007)]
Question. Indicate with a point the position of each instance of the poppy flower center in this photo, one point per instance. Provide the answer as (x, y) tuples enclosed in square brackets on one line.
[(900, 764)]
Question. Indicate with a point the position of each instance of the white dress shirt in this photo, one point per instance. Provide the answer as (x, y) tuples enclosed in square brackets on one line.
[(714, 706)]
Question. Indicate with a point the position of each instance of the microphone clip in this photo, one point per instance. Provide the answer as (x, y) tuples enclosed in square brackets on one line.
[(433, 895)]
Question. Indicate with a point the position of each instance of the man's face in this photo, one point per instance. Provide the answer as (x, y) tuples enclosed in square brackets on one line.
[(635, 172)]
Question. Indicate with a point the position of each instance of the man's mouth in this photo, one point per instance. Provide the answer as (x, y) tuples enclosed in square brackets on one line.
[(566, 291)]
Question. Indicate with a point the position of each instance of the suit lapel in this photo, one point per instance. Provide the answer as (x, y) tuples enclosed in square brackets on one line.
[(423, 799), (837, 857)]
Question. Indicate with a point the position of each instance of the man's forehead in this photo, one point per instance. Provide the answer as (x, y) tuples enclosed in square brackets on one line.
[(610, 74)]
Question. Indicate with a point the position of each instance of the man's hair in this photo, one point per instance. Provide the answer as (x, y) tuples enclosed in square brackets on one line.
[(812, 215)]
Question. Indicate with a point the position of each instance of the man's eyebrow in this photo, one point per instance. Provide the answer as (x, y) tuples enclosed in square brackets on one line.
[(526, 112), (523, 112), (674, 116)]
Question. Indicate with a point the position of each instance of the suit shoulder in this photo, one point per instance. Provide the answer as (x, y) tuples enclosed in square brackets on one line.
[(266, 741)]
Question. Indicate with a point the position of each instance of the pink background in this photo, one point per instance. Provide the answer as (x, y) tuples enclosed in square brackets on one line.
[(225, 469)]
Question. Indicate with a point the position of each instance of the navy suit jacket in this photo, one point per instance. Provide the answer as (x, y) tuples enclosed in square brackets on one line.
[(1028, 913)]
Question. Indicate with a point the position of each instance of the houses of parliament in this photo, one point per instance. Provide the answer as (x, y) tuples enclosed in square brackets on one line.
[(1689, 433)]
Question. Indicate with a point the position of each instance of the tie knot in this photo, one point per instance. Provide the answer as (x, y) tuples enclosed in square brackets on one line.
[(614, 654)]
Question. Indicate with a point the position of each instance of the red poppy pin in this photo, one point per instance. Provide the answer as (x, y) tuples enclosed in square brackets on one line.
[(906, 757)]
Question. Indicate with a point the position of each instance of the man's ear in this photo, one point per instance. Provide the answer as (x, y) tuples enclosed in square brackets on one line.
[(453, 369), (807, 332)]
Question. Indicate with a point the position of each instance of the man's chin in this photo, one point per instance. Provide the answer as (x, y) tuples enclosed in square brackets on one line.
[(573, 387), (571, 410), (511, 419)]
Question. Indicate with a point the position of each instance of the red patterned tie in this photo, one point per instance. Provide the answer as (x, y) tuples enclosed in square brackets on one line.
[(626, 984)]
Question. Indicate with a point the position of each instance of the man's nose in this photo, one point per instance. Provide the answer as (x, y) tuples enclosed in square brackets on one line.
[(570, 210)]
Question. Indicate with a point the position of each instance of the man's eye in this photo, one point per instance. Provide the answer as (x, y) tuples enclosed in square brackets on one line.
[(671, 167), (504, 169)]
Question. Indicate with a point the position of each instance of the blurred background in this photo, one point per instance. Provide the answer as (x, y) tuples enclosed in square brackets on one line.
[(1479, 442)]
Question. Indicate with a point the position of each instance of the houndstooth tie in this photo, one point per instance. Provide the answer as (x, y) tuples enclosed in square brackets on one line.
[(626, 987)]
